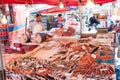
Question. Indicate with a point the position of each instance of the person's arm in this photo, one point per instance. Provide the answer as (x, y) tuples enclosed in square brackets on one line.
[(43, 27), (29, 29), (117, 29)]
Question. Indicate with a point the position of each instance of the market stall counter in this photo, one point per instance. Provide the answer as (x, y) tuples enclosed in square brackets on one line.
[(64, 59)]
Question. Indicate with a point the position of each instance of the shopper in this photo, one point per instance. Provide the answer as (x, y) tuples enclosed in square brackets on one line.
[(93, 21), (117, 30), (36, 26), (111, 27), (73, 25)]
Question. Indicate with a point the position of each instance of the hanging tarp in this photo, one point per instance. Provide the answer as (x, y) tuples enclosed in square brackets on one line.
[(39, 7), (21, 1), (83, 2), (51, 2), (18, 27)]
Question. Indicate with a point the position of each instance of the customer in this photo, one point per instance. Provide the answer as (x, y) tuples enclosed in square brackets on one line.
[(111, 27), (93, 20), (36, 26), (117, 30)]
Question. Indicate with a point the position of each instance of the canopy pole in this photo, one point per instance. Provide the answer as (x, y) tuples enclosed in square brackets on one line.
[(2, 72), (26, 25), (80, 15)]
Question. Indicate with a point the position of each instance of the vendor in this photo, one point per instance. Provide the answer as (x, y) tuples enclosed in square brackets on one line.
[(36, 26), (72, 21), (73, 24), (59, 19)]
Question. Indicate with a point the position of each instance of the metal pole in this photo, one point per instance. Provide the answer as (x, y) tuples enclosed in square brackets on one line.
[(2, 75), (26, 26), (80, 14), (10, 6)]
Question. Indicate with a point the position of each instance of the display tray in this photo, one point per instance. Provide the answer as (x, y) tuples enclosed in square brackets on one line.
[(102, 29)]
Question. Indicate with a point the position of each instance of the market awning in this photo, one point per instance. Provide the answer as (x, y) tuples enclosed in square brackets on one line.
[(75, 2), (21, 1), (52, 2), (40, 7)]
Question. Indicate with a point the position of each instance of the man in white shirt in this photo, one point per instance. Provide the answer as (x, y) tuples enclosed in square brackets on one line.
[(36, 26), (72, 22)]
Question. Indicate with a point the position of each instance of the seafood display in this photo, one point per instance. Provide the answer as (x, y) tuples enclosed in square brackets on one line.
[(29, 66), (87, 59), (8, 58), (102, 70), (73, 60)]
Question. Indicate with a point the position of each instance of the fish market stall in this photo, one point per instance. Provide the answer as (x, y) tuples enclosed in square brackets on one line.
[(62, 59)]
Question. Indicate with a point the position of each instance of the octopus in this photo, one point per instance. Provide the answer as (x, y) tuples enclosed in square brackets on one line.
[(81, 47), (88, 59)]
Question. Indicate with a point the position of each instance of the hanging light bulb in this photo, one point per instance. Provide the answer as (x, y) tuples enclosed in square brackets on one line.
[(61, 4), (4, 20), (90, 4)]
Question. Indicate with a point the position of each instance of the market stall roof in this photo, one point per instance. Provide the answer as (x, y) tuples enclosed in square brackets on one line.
[(75, 2), (54, 10), (52, 2), (40, 7)]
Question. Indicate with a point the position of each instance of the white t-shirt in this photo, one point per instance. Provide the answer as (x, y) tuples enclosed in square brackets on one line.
[(74, 24), (36, 27)]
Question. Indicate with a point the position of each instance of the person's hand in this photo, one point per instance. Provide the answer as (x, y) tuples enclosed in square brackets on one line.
[(29, 32)]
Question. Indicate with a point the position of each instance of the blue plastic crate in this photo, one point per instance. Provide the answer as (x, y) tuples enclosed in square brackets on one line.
[(110, 61)]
